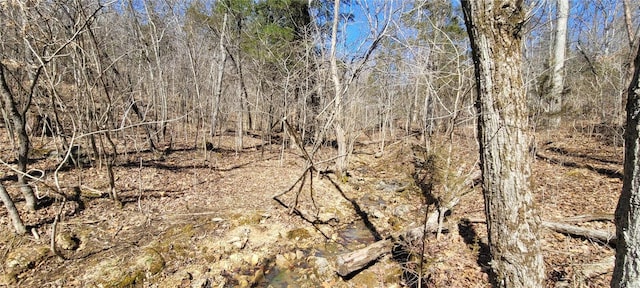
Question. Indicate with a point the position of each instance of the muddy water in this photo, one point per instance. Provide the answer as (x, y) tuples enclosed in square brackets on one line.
[(307, 271), (282, 278)]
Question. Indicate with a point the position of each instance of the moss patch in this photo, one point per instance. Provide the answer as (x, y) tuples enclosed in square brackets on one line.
[(298, 234), (150, 261), (115, 273), (252, 218), (25, 258)]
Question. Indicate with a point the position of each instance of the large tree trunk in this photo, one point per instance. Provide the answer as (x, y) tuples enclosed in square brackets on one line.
[(629, 67), (495, 29), (557, 63), (627, 269)]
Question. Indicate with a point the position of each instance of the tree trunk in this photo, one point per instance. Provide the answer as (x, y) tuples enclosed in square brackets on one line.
[(503, 131), (19, 126), (244, 98), (557, 63), (629, 67), (627, 269), (13, 212), (222, 58), (341, 138), (628, 20)]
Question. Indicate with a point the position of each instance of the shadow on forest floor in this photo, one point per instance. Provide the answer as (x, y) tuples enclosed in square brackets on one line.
[(468, 233)]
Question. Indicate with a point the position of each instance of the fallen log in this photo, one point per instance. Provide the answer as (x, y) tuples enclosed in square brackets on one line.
[(348, 263), (564, 228), (602, 236), (587, 218), (609, 172), (351, 262), (356, 260)]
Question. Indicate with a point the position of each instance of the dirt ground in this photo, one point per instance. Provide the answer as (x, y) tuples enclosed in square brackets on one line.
[(196, 218)]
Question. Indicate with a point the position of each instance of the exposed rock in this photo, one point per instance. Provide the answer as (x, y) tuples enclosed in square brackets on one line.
[(24, 258), (282, 262), (67, 241), (329, 218), (322, 265), (240, 238), (254, 259), (377, 213), (201, 283), (401, 210), (236, 259), (257, 276), (391, 186)]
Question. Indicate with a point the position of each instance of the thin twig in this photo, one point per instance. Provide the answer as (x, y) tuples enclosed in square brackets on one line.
[(140, 186), (294, 184)]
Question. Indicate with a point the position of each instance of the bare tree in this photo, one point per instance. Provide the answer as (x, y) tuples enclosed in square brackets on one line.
[(627, 268), (495, 31), (343, 80), (18, 122), (222, 59), (557, 63), (338, 103)]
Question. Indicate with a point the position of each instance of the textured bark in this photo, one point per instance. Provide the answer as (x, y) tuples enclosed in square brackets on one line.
[(627, 269), (494, 29), (557, 63), (354, 261)]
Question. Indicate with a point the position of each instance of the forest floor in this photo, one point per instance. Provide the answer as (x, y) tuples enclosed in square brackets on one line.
[(196, 218)]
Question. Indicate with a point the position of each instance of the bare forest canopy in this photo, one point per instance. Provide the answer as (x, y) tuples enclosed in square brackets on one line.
[(198, 68), (116, 64)]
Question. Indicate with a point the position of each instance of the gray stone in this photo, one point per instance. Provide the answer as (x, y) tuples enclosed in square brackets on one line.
[(401, 210)]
